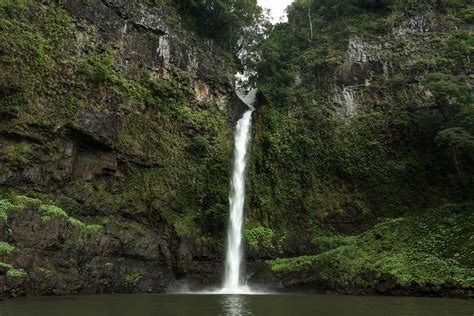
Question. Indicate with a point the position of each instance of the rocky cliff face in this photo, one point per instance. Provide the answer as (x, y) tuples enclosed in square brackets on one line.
[(114, 148), (347, 180), (115, 151)]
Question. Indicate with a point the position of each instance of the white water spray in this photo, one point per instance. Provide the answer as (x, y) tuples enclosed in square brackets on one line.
[(233, 282)]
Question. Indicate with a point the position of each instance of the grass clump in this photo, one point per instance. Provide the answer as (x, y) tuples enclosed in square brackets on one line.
[(52, 211)]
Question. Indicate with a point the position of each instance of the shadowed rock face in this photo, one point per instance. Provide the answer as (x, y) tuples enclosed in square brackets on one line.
[(236, 110), (120, 171), (62, 257), (146, 36)]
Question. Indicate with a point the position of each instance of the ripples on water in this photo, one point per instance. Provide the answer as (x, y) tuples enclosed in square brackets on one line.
[(235, 305)]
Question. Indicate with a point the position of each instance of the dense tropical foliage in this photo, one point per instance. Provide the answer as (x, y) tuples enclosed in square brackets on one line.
[(366, 117)]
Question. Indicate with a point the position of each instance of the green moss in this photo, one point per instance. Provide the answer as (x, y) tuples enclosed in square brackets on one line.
[(24, 201), (6, 247), (16, 273), (184, 226), (132, 277), (85, 230), (211, 243), (11, 271), (18, 152), (99, 67), (5, 265), (46, 272), (16, 202), (5, 207), (281, 242), (93, 228), (52, 211)]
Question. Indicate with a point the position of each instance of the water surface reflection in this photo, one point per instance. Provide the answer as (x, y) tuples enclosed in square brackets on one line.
[(235, 305), (215, 305)]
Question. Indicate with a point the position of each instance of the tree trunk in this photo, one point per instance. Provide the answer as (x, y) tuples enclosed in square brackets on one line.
[(456, 163)]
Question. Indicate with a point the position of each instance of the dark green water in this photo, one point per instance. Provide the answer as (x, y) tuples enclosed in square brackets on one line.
[(201, 305)]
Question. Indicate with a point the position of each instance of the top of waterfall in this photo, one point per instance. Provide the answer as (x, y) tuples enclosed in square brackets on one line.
[(248, 97)]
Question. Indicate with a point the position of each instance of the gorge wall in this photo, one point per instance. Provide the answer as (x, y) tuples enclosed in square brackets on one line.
[(115, 148), (116, 120), (355, 186)]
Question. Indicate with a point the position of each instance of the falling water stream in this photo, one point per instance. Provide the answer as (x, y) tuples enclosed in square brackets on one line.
[(233, 283)]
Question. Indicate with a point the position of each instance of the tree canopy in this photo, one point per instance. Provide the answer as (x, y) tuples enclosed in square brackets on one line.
[(232, 23)]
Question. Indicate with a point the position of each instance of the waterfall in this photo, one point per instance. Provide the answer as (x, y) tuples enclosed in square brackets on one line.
[(232, 281)]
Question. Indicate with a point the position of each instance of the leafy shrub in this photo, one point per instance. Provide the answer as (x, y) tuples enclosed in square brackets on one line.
[(259, 237)]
